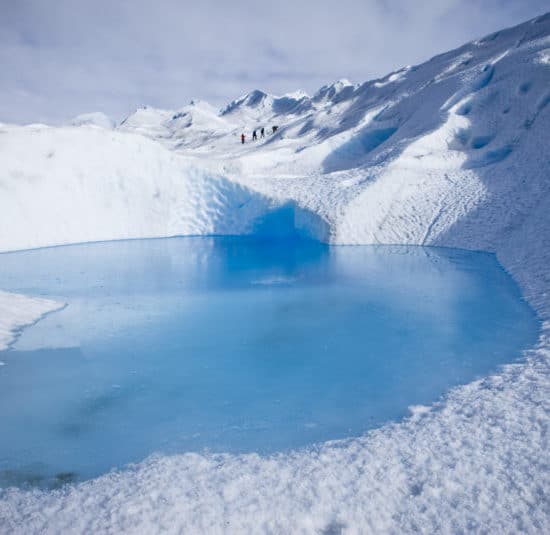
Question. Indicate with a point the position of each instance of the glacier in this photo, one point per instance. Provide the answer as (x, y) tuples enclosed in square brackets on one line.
[(452, 152)]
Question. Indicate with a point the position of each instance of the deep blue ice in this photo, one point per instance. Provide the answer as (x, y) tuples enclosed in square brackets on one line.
[(238, 345)]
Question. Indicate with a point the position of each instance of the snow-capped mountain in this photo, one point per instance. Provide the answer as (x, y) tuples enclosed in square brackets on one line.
[(93, 119), (486, 83), (404, 158)]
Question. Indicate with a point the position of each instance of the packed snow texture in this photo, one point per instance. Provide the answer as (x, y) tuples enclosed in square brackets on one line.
[(18, 311), (453, 152)]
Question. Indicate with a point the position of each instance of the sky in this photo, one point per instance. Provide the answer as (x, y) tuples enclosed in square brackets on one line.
[(60, 58)]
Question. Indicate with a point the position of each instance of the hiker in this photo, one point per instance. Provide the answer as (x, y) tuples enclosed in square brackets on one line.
[(262, 132), (274, 129), (242, 138), (254, 135)]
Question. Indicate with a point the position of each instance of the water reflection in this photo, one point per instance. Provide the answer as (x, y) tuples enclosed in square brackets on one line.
[(235, 344)]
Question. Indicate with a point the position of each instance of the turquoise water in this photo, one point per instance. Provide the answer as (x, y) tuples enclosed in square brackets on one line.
[(238, 345)]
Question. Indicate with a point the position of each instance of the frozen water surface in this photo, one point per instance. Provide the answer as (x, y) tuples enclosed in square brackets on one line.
[(238, 345)]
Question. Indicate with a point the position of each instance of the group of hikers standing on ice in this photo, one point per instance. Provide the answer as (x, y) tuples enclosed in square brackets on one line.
[(255, 134)]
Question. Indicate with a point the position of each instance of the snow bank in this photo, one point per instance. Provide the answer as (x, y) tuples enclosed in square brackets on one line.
[(453, 152), (18, 311), (68, 185)]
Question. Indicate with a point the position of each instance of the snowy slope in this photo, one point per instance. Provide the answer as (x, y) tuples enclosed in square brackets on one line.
[(453, 152), (93, 119), (86, 184)]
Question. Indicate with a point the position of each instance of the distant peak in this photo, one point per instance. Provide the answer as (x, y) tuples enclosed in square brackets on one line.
[(296, 95), (338, 84), (199, 103), (93, 119), (342, 82), (329, 91), (251, 100), (255, 93), (255, 97)]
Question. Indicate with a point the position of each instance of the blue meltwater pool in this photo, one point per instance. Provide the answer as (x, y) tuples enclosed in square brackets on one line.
[(238, 345)]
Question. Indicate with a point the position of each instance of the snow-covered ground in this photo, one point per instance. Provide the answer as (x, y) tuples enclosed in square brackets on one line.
[(18, 311), (453, 152)]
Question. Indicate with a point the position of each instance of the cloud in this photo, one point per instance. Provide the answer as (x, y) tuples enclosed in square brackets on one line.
[(66, 57)]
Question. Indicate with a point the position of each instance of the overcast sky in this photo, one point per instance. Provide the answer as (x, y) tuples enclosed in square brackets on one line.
[(59, 58)]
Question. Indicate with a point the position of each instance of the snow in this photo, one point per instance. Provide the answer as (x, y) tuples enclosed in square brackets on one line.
[(93, 119), (453, 152), (18, 311)]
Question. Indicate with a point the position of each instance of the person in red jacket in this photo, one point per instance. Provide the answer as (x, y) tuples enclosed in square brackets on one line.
[(242, 138)]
